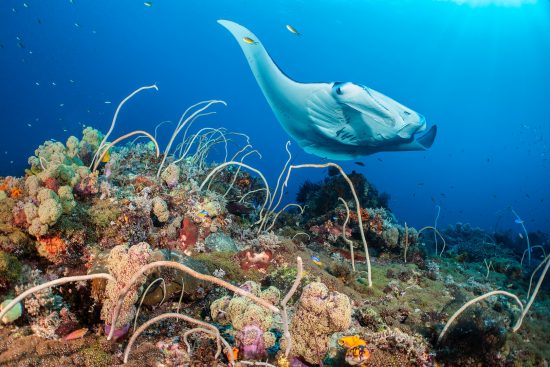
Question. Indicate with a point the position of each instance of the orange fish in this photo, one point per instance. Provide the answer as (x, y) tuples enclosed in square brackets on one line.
[(357, 356), (235, 352), (77, 334), (351, 342)]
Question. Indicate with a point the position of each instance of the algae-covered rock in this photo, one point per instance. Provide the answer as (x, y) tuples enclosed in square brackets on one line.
[(220, 242), (10, 269)]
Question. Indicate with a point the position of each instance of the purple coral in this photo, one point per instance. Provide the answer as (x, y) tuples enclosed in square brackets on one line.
[(251, 342)]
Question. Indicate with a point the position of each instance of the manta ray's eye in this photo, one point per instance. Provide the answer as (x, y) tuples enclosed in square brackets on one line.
[(339, 91)]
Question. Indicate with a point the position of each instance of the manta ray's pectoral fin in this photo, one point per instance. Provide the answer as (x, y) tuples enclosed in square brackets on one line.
[(422, 143)]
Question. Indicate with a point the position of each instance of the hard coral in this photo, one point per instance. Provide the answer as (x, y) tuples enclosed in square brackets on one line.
[(251, 322), (122, 263), (52, 248), (16, 192), (319, 314)]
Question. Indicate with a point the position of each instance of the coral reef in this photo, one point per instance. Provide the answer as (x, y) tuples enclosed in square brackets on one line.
[(224, 228)]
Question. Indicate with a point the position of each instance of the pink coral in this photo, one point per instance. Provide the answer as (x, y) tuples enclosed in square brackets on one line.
[(188, 234), (251, 342), (249, 259), (51, 183)]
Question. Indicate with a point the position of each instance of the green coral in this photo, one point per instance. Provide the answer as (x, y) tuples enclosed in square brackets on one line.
[(10, 268), (94, 356), (103, 212)]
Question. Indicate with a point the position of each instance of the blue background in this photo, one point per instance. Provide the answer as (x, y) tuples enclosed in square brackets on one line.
[(481, 73)]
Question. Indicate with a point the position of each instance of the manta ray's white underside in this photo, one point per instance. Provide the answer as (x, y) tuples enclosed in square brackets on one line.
[(332, 120)]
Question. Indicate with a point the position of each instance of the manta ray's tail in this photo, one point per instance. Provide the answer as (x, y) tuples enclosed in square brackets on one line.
[(266, 72), (427, 139)]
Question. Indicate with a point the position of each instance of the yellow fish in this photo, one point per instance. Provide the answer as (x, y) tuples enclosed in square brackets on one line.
[(351, 342), (357, 356), (293, 30), (106, 157), (249, 40)]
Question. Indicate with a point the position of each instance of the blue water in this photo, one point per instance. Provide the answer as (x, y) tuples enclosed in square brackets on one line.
[(481, 73)]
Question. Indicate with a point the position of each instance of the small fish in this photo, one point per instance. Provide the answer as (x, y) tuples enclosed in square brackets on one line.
[(54, 84), (20, 44), (360, 164), (71, 81), (351, 341), (520, 235), (316, 260), (37, 83), (249, 40), (29, 125), (380, 160), (292, 30), (61, 104), (357, 356), (25, 5), (77, 334), (203, 213), (148, 4), (39, 21), (235, 352), (106, 157), (107, 102), (77, 25), (519, 221)]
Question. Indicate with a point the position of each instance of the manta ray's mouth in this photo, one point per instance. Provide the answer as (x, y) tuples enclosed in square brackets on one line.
[(380, 115)]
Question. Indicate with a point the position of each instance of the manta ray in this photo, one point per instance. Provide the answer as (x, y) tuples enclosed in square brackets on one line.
[(335, 120)]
